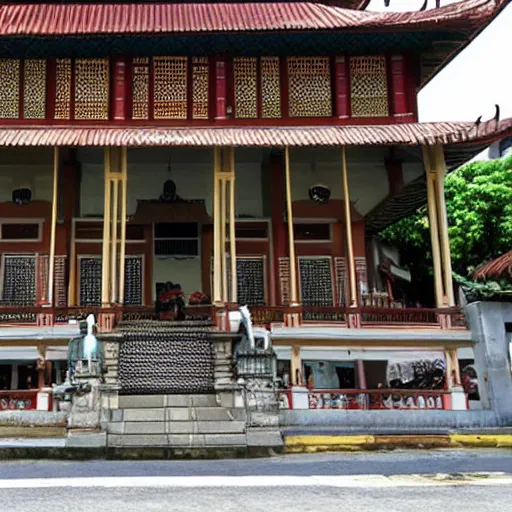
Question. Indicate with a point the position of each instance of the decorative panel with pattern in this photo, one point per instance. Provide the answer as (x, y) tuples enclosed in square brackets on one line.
[(270, 88), (9, 89), (250, 280), (19, 280), (140, 88), (90, 281), (340, 270), (63, 89), (200, 87), (316, 281), (361, 276), (170, 87), (91, 89), (59, 279), (245, 84), (309, 87), (34, 89), (368, 87), (133, 281), (284, 280)]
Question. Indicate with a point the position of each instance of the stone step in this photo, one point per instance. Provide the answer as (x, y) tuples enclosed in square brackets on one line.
[(178, 414), (156, 401), (179, 427), (176, 440)]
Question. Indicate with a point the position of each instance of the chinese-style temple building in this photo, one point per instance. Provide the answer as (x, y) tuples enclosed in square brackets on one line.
[(222, 154)]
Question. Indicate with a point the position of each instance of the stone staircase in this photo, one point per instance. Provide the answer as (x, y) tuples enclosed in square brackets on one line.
[(182, 421)]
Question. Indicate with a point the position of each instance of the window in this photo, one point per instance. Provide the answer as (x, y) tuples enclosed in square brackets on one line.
[(177, 239), (19, 280), (20, 232), (312, 232)]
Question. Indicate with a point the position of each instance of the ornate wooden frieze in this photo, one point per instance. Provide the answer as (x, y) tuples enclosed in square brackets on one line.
[(170, 87), (91, 89), (270, 88), (34, 89), (9, 88), (309, 87), (284, 280), (368, 87), (200, 87), (340, 270), (140, 98), (63, 89), (245, 85)]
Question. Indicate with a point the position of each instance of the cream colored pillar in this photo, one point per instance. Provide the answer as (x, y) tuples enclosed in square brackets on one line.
[(294, 298), (53, 232), (224, 271), (429, 161), (296, 366), (113, 245), (217, 256), (232, 230), (348, 230), (72, 298), (122, 244), (105, 268), (443, 225)]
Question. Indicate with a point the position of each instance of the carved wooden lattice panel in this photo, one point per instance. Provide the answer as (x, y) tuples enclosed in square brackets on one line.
[(246, 92), (170, 87), (90, 281), (316, 281), (284, 280), (200, 88), (133, 281), (368, 86), (340, 270), (91, 89), (34, 89), (9, 88), (59, 279), (250, 275), (270, 88), (309, 87), (63, 89), (19, 280), (140, 91)]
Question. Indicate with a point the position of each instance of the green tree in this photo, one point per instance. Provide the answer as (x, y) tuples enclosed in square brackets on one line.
[(479, 209)]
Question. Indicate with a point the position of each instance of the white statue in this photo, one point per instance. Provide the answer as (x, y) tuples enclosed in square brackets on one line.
[(90, 345)]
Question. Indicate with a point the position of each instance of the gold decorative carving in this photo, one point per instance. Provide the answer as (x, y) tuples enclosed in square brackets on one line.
[(9, 89), (270, 88), (309, 85), (140, 99), (170, 86), (91, 89), (63, 89), (246, 92), (34, 85), (200, 88), (368, 87)]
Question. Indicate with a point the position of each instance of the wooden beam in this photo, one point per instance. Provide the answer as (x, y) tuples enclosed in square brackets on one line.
[(53, 232), (217, 262), (223, 184), (72, 299), (296, 366), (348, 230), (113, 244), (232, 230), (294, 299)]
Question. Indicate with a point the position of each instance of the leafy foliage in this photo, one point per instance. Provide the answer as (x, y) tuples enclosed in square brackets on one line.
[(489, 290), (479, 210)]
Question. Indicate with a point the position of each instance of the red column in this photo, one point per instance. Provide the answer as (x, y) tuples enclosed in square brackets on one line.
[(119, 89), (395, 175), (279, 235), (398, 83), (220, 89), (341, 85)]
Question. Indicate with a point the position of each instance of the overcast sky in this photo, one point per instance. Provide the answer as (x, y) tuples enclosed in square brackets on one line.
[(475, 80)]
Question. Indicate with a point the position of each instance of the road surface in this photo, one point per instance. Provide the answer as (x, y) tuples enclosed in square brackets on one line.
[(409, 481)]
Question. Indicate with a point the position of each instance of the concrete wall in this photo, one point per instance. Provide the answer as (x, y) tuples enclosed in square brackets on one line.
[(492, 360)]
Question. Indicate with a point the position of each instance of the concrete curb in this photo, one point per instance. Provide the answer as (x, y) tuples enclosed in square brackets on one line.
[(324, 443)]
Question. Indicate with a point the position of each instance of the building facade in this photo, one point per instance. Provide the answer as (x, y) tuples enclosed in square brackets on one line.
[(223, 154)]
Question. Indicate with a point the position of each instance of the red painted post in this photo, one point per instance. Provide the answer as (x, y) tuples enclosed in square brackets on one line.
[(220, 89), (119, 89), (341, 84), (398, 84)]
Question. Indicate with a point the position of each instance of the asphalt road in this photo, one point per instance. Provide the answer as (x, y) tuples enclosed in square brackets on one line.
[(350, 481)]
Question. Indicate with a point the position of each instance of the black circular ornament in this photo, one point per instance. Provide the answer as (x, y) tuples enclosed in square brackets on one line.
[(320, 193)]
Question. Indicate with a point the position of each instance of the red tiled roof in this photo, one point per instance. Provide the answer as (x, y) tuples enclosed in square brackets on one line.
[(495, 268), (412, 134), (71, 19)]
